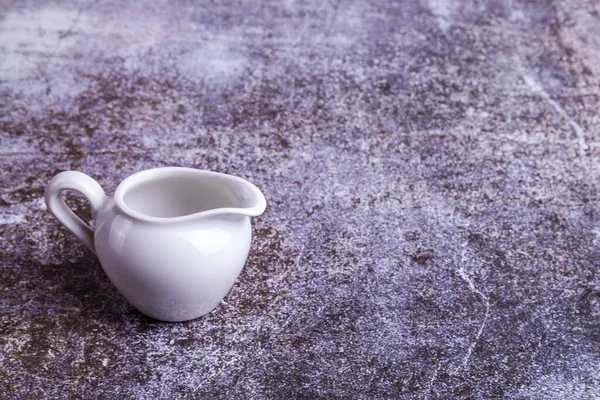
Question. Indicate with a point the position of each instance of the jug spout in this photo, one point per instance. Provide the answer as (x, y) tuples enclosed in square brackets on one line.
[(249, 200)]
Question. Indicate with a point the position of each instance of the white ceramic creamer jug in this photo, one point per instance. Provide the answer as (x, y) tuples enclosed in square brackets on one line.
[(172, 240)]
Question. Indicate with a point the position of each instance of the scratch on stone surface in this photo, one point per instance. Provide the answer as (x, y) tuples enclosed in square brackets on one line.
[(432, 381), (76, 20), (285, 273), (333, 18), (465, 277), (526, 139), (538, 89)]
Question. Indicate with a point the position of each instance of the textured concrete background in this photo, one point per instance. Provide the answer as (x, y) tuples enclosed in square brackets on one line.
[(432, 172)]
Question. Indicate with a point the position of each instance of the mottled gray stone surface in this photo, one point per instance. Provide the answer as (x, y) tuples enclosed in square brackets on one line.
[(432, 171)]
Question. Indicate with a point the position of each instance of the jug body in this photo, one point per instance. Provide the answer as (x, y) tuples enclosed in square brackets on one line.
[(172, 272)]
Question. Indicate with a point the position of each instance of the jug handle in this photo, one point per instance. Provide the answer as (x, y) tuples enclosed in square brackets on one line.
[(73, 180)]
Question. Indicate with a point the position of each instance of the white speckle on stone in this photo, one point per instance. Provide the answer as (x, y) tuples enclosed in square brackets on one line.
[(596, 235), (214, 61), (39, 204), (11, 219), (443, 10)]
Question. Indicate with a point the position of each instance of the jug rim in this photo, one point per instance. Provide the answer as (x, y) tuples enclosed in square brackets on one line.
[(146, 175)]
